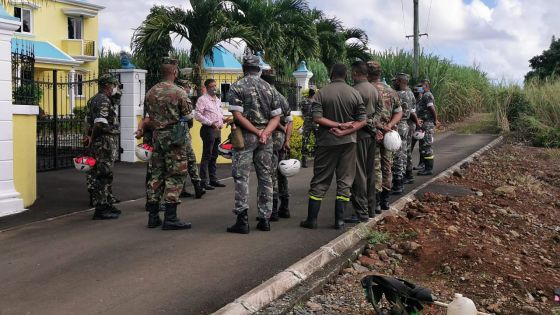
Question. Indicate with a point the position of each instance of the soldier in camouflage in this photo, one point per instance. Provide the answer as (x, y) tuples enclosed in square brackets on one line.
[(391, 115), (400, 157), (413, 123), (418, 92), (427, 113), (101, 134), (166, 105), (281, 151), (256, 110), (191, 158), (309, 126)]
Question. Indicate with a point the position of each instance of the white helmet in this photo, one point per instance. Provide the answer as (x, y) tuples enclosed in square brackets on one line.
[(300, 130), (144, 152), (226, 149), (392, 141), (419, 134), (289, 167), (84, 163)]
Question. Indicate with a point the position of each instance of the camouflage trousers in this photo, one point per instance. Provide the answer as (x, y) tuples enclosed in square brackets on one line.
[(279, 181), (309, 127), (192, 167), (169, 169), (426, 150), (411, 142), (259, 155), (104, 150), (383, 163), (400, 156), (91, 187)]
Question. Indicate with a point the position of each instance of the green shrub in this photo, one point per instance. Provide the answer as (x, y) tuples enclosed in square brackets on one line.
[(530, 128), (27, 94), (80, 113), (295, 140)]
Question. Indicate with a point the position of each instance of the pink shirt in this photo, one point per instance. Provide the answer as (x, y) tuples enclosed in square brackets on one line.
[(209, 110)]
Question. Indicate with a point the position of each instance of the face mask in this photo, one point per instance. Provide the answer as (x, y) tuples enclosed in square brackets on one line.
[(212, 91), (115, 91), (420, 90)]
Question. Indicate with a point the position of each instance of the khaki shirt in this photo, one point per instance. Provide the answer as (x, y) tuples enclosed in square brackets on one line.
[(341, 103), (372, 102)]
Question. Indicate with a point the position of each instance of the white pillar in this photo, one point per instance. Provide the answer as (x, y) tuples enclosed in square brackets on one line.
[(72, 89), (132, 106), (10, 201), (302, 75)]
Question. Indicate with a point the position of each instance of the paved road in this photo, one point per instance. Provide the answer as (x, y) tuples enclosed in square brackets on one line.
[(73, 265)]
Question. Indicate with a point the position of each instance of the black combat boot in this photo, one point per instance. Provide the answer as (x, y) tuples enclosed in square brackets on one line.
[(114, 210), (312, 213), (186, 194), (420, 165), (385, 199), (170, 220), (198, 189), (241, 226), (339, 208), (263, 225), (397, 186), (153, 214), (284, 209), (428, 170), (104, 213), (304, 161), (378, 203), (408, 178), (274, 217)]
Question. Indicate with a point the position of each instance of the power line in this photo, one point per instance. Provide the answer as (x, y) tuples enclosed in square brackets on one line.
[(428, 20), (403, 20)]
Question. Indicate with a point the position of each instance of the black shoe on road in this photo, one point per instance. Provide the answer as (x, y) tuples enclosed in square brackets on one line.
[(104, 214), (217, 184), (263, 225), (208, 187), (354, 219), (186, 194)]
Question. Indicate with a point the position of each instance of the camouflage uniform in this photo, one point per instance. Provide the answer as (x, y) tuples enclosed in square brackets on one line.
[(102, 115), (383, 157), (428, 125), (410, 140), (280, 182), (166, 104), (255, 99), (309, 126), (400, 158)]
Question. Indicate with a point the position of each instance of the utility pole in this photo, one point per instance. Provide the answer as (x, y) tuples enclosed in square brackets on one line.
[(416, 37)]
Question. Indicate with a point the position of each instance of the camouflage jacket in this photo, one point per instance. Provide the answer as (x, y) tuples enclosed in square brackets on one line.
[(425, 102), (166, 103), (391, 102), (285, 106), (408, 102), (255, 99), (101, 109)]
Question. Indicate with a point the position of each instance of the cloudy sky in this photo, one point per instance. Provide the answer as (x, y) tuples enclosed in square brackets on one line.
[(498, 35)]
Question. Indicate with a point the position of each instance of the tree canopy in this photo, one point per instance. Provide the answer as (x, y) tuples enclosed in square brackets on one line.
[(546, 64)]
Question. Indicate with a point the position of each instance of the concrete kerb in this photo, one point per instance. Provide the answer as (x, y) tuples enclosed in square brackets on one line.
[(278, 285)]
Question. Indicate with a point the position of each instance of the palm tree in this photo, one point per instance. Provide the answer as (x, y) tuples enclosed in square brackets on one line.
[(206, 25), (339, 44), (284, 27)]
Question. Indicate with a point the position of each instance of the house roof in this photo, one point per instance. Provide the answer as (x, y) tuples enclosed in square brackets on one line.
[(223, 59), (44, 51)]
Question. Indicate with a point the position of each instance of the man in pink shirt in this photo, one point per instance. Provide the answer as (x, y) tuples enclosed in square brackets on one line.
[(209, 113)]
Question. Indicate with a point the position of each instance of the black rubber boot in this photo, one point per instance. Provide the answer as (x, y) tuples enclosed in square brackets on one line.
[(153, 215), (420, 165), (313, 208), (304, 161), (170, 220), (198, 189), (274, 217), (378, 203), (104, 213), (241, 226), (186, 194), (114, 210), (263, 225), (284, 209), (397, 187), (339, 207), (408, 178), (428, 170), (385, 199)]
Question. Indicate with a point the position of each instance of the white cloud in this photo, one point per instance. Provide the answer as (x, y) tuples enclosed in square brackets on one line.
[(501, 39), (110, 45)]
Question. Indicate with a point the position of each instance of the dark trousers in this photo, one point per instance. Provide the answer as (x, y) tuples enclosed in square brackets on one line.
[(363, 189), (211, 139), (331, 160)]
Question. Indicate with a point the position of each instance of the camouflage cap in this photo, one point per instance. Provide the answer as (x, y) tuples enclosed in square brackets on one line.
[(106, 79), (403, 76), (426, 81), (251, 60), (169, 61), (184, 83), (374, 66)]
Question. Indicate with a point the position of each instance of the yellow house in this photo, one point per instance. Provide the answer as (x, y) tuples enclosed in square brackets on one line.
[(63, 36)]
